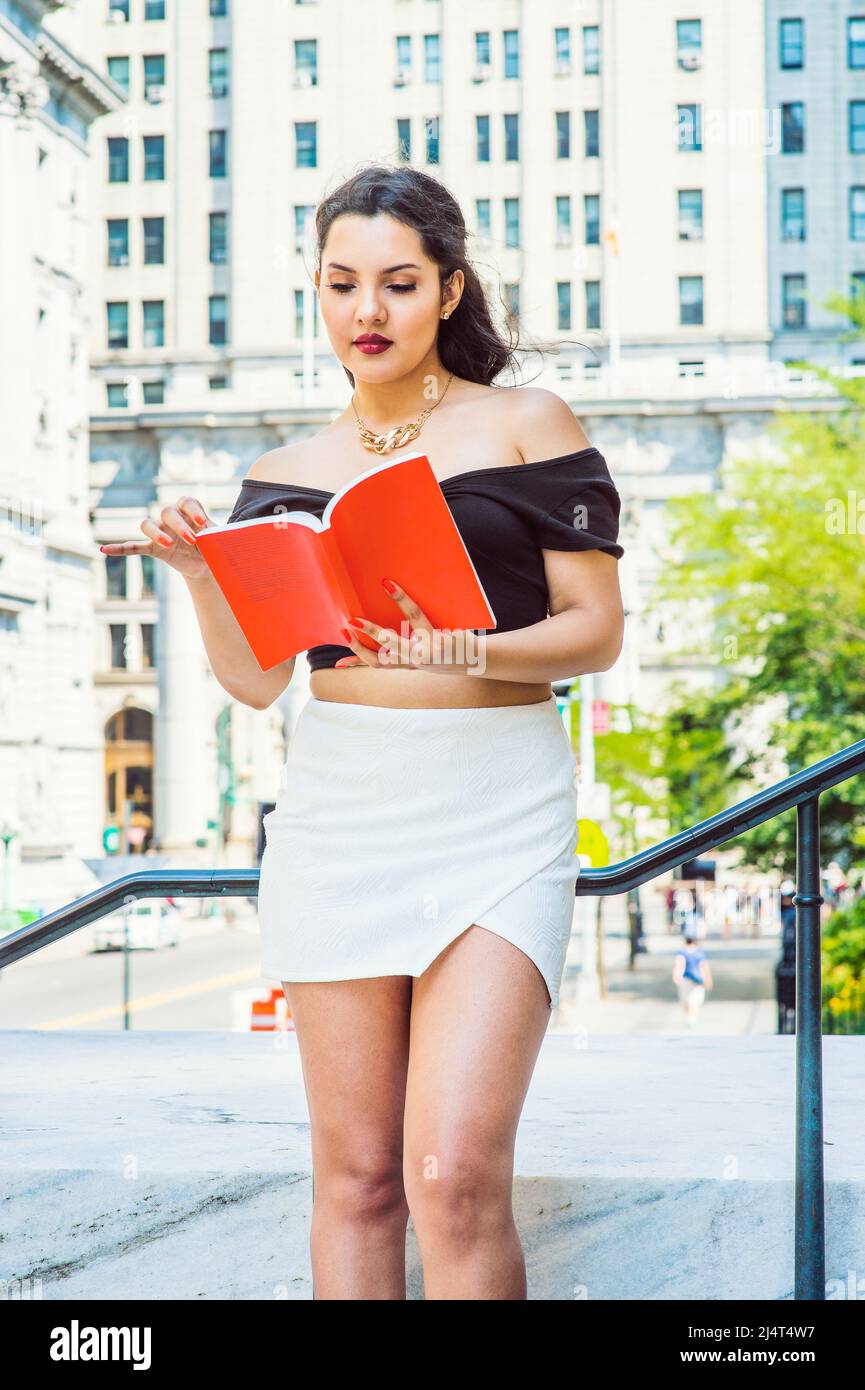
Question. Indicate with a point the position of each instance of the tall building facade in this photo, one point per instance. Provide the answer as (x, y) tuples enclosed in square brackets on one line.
[(631, 177), (51, 745)]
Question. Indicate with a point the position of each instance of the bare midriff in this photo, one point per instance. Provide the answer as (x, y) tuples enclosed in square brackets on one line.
[(413, 689)]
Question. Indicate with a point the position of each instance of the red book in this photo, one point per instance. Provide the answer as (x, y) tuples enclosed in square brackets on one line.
[(292, 579)]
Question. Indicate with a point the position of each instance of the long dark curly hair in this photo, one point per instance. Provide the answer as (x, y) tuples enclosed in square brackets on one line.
[(469, 343)]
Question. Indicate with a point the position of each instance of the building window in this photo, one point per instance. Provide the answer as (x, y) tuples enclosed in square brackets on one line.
[(563, 304), (592, 218), (153, 334), (147, 631), (118, 159), (118, 323), (218, 154), (432, 70), (690, 299), (115, 576), (563, 135), (482, 139), (153, 392), (563, 220), (403, 55), (431, 134), (483, 219), (403, 139), (791, 43), (148, 576), (298, 314), (856, 127), (689, 43), (219, 383), (592, 120), (217, 72), (690, 126), (483, 53), (511, 294), (118, 11), (793, 127), (593, 303), (119, 659), (562, 53), (154, 158), (792, 214), (857, 292), (118, 71), (306, 62), (856, 42), (218, 241), (857, 214), (512, 135), (154, 77), (793, 296), (591, 50), (118, 241), (305, 145), (154, 241), (304, 216), (117, 394), (218, 9), (511, 41), (690, 214), (154, 9), (218, 320), (512, 221)]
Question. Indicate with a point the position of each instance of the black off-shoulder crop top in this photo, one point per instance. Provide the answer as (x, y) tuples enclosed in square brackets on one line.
[(506, 516)]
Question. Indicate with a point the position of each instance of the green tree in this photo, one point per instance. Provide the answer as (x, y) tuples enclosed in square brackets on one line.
[(776, 558)]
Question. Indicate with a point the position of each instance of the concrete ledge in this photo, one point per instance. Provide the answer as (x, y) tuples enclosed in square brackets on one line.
[(177, 1165)]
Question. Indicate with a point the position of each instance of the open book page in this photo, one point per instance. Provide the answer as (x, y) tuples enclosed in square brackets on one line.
[(394, 522), (278, 580)]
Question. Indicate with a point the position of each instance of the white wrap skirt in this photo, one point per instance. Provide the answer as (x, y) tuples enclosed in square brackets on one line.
[(394, 830)]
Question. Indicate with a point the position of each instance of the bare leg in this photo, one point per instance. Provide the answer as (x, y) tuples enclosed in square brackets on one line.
[(479, 1015), (353, 1041)]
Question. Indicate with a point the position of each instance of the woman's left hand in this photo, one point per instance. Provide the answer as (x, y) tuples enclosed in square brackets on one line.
[(445, 651)]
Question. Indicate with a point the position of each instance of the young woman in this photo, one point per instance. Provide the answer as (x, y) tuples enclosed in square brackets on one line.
[(417, 885)]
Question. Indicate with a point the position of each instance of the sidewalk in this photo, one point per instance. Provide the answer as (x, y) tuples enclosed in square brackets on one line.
[(644, 1000)]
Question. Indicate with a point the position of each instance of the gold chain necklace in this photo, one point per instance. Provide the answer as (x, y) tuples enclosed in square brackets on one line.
[(400, 434)]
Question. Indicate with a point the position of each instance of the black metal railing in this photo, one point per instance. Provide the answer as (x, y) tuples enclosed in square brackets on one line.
[(801, 790)]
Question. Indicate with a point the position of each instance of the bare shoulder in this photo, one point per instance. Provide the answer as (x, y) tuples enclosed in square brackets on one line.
[(543, 425), (282, 463)]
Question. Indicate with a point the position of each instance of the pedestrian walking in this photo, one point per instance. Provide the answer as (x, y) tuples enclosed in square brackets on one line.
[(692, 976)]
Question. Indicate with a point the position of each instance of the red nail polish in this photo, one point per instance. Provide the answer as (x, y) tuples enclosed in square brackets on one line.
[(389, 585), (164, 541), (188, 536), (202, 520), (344, 632)]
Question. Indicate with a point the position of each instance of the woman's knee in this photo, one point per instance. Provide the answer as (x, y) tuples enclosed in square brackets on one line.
[(360, 1187), (460, 1197)]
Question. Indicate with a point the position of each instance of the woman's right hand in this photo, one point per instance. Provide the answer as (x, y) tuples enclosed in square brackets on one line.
[(171, 539)]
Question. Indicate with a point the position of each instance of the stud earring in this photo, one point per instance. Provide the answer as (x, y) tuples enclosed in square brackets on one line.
[(446, 314)]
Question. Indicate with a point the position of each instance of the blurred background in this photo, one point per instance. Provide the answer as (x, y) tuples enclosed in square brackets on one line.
[(677, 193)]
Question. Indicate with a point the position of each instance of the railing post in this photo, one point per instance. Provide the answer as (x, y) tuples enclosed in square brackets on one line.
[(810, 1251)]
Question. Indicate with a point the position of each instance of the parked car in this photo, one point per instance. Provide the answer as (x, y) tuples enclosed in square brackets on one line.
[(151, 925)]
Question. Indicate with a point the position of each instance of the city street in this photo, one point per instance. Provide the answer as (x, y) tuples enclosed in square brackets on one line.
[(191, 986)]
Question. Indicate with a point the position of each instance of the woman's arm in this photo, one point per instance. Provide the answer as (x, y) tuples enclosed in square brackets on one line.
[(231, 658), (583, 633)]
